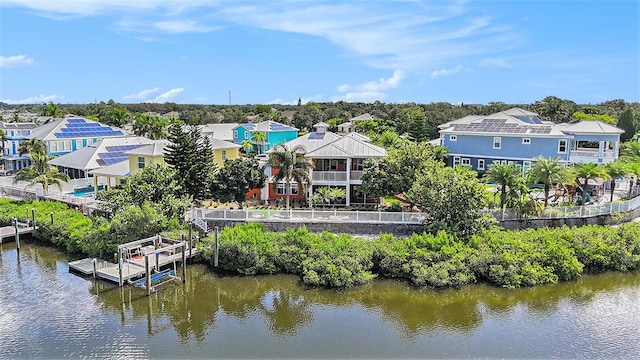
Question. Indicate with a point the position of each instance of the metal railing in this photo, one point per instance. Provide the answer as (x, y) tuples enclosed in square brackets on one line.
[(565, 212), (311, 215)]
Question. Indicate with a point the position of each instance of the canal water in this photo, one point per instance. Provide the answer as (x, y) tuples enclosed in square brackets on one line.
[(46, 312)]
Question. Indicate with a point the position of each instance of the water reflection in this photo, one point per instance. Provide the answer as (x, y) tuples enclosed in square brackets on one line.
[(46, 307)]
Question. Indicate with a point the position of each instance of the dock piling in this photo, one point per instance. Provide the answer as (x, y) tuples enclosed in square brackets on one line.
[(147, 274), (33, 218), (15, 224), (95, 268), (51, 214)]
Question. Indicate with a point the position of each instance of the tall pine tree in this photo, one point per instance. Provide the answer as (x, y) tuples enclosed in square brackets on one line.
[(192, 156)]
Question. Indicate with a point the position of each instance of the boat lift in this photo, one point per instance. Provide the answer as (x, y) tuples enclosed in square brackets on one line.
[(147, 257)]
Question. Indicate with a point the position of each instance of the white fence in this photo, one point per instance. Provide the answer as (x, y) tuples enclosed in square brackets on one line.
[(311, 215)]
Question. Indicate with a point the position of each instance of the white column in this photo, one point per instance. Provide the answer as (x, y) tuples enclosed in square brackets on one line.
[(601, 148), (348, 182), (616, 148)]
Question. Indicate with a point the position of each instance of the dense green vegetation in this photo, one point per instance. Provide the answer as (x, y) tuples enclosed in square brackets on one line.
[(499, 257), (95, 236)]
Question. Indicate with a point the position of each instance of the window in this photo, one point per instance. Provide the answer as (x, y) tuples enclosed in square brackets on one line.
[(497, 142), (235, 134), (78, 144), (526, 166), (326, 165), (280, 189), (453, 137), (140, 162), (246, 134), (562, 146), (480, 164), (466, 162), (526, 141), (357, 164), (456, 161), (58, 146), (224, 155)]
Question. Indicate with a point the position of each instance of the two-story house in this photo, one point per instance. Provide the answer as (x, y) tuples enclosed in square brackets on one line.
[(337, 162), (275, 133), (350, 126), (519, 136), (72, 133), (14, 133)]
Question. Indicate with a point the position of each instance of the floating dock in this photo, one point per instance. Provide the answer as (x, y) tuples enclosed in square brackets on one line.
[(8, 233)]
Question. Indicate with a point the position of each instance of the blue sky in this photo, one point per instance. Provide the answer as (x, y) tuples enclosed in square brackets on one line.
[(261, 52)]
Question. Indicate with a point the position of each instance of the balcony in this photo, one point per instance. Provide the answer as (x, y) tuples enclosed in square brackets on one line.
[(592, 155), (329, 175)]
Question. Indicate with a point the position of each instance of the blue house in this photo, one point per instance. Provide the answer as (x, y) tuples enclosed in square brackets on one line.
[(70, 134), (10, 159), (519, 136), (276, 133)]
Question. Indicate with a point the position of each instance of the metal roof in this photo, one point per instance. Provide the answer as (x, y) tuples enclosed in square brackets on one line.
[(267, 126), (347, 147), (104, 152), (592, 127), (75, 128)]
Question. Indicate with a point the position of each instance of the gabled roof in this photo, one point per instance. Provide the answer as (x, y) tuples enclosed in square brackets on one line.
[(157, 148), (365, 116), (358, 136), (120, 169), (17, 125), (75, 128), (267, 126), (514, 121), (222, 131), (312, 140), (103, 153), (217, 144), (347, 147), (592, 127)]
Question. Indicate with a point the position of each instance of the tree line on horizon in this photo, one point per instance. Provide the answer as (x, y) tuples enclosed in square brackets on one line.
[(417, 120)]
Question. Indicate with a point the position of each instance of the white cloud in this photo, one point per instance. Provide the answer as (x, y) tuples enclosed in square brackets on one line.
[(410, 35), (143, 95), (369, 91), (151, 95), (34, 99), (446, 72), (15, 61), (168, 96)]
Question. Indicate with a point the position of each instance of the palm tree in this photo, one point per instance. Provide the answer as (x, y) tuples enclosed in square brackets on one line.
[(247, 146), (338, 193), (290, 165), (634, 168), (259, 137), (614, 170), (388, 139), (630, 151), (504, 175), (440, 153), (41, 173), (52, 110), (3, 138), (32, 146), (548, 171), (586, 171)]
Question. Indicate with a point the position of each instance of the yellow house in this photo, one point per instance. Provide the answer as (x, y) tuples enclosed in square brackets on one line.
[(147, 155), (223, 150)]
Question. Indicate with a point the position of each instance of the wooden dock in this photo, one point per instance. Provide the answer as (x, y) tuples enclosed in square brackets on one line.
[(161, 254), (8, 233)]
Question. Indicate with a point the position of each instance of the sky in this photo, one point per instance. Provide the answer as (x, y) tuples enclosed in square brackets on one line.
[(275, 52)]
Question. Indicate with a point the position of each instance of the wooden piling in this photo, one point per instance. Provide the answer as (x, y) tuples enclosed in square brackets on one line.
[(184, 264), (147, 274), (15, 224)]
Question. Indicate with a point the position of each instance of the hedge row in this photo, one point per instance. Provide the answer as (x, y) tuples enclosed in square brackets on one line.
[(499, 257)]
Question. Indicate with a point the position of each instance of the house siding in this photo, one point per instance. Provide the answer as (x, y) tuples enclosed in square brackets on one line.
[(511, 147)]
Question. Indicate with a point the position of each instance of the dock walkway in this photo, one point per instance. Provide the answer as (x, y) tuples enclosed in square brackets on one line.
[(9, 232)]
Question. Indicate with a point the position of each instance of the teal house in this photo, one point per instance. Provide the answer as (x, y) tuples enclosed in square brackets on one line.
[(274, 134)]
